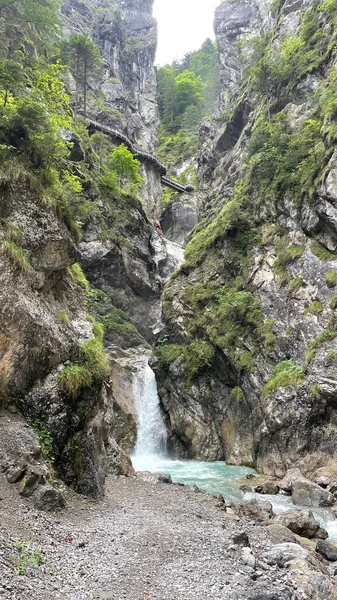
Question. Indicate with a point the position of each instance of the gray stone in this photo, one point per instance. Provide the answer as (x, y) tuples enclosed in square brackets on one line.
[(301, 522), (257, 510), (327, 549), (307, 493), (47, 498)]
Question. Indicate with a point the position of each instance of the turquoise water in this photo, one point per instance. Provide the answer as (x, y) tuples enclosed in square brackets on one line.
[(214, 477), (219, 478)]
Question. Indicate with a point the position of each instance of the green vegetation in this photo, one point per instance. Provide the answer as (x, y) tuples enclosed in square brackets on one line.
[(331, 279), (285, 373), (77, 275), (74, 378), (26, 556), (316, 307), (296, 284), (316, 391), (197, 357), (285, 256), (237, 394), (116, 320), (314, 345), (93, 355), (322, 253), (16, 255), (63, 317), (45, 438), (333, 302)]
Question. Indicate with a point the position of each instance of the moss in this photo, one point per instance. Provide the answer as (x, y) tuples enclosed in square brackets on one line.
[(16, 256), (331, 279), (333, 302), (315, 390), (237, 394), (285, 256), (168, 353), (315, 308), (99, 331), (332, 354), (74, 378), (77, 275), (322, 253), (63, 317), (285, 373), (313, 347), (296, 284)]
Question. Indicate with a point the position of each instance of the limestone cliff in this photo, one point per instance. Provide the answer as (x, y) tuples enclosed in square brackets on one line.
[(126, 97), (256, 294)]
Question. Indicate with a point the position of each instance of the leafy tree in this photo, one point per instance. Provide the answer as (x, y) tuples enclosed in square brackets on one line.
[(126, 167), (11, 78), (85, 62), (188, 88)]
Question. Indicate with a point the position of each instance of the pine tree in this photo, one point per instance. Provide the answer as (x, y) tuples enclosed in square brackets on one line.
[(84, 59)]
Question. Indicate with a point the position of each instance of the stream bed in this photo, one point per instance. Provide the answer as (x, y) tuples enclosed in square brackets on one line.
[(219, 478)]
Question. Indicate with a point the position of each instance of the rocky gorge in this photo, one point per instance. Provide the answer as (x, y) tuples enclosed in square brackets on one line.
[(242, 341)]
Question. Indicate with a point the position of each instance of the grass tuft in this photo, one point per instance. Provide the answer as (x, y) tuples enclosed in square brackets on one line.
[(16, 255), (285, 373)]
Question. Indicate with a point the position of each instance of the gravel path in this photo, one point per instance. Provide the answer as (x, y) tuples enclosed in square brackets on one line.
[(145, 540)]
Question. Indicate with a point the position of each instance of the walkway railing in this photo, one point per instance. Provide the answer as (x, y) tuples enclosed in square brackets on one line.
[(143, 156)]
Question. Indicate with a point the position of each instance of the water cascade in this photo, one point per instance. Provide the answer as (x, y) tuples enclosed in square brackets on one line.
[(151, 431)]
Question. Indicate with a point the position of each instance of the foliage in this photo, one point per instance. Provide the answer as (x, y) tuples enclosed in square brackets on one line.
[(63, 317), (314, 345), (27, 555), (93, 355), (84, 59), (16, 255), (237, 394), (322, 253), (285, 373), (116, 320), (77, 275), (331, 279), (296, 284), (73, 378), (316, 307), (333, 302), (45, 438), (197, 356)]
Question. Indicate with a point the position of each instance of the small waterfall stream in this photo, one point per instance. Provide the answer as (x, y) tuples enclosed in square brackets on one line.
[(151, 431)]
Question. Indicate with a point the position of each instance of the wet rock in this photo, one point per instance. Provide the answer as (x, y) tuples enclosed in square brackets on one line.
[(301, 522), (268, 487), (164, 478), (327, 549), (257, 510), (307, 493)]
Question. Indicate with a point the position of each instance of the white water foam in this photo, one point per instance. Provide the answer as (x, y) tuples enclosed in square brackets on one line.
[(151, 431)]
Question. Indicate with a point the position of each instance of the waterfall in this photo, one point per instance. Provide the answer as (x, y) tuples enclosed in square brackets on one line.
[(151, 431)]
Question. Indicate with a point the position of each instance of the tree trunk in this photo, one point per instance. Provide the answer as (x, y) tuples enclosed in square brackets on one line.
[(85, 85), (77, 80)]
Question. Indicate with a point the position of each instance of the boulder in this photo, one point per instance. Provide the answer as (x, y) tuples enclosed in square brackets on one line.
[(282, 553), (268, 487), (327, 549), (301, 522), (307, 493), (256, 510), (47, 498), (281, 534)]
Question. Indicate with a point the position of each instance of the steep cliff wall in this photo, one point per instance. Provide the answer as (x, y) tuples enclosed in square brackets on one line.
[(126, 97), (257, 290)]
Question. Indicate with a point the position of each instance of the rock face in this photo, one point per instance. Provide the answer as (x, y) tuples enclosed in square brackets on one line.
[(236, 406), (310, 494), (126, 33), (179, 218)]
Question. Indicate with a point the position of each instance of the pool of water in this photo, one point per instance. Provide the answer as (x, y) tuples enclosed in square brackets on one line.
[(219, 478), (214, 477)]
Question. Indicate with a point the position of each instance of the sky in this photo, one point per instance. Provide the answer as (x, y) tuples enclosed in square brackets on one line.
[(183, 26)]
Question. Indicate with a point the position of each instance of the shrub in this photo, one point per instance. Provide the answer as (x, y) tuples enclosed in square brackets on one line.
[(16, 255), (331, 279), (116, 320), (285, 373)]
